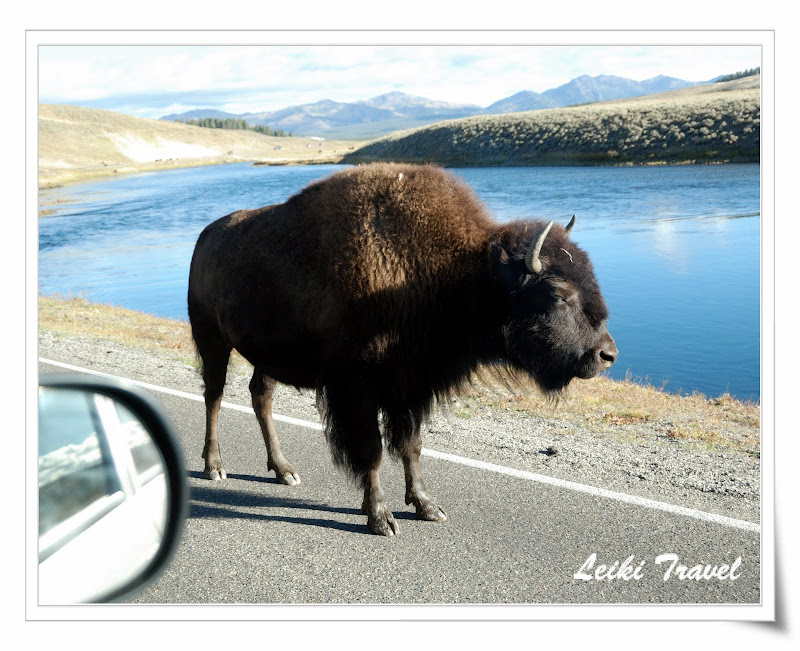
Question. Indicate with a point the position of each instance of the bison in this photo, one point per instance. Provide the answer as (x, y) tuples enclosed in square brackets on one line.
[(384, 287)]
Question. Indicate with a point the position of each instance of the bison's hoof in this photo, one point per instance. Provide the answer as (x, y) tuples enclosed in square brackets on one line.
[(289, 478), (382, 523), (284, 473), (427, 508), (215, 475), (430, 511)]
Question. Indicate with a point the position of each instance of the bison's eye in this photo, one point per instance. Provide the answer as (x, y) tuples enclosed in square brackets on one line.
[(593, 319), (562, 300)]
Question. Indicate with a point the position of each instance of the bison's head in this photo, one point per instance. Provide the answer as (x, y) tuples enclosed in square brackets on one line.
[(555, 318)]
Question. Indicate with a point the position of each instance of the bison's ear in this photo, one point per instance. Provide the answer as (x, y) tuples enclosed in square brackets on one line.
[(503, 267), (502, 256)]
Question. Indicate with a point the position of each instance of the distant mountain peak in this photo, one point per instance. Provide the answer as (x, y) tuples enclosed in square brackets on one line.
[(393, 98), (395, 110), (399, 101), (393, 94)]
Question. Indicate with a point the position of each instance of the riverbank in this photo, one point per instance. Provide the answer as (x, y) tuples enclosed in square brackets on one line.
[(77, 143), (50, 179), (622, 435)]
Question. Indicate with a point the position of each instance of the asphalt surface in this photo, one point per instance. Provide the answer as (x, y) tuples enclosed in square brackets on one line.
[(507, 540)]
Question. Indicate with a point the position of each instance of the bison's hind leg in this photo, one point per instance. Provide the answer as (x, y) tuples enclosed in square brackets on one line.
[(262, 388), (214, 352), (402, 429), (215, 368)]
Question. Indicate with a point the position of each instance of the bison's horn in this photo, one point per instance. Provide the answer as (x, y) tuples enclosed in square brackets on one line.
[(532, 256), (570, 225)]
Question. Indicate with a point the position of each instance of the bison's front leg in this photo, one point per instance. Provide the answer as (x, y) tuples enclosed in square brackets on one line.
[(379, 517), (406, 436), (351, 415)]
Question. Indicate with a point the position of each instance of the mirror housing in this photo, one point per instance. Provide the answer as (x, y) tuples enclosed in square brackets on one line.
[(113, 494)]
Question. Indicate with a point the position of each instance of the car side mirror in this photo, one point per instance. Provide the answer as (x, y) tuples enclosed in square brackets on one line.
[(112, 490)]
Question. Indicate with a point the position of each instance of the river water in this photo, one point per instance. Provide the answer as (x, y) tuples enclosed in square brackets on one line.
[(676, 250)]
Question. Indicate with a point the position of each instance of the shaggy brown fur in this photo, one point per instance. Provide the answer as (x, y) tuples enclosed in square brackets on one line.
[(383, 287)]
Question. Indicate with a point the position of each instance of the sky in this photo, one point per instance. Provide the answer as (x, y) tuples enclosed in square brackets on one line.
[(154, 80)]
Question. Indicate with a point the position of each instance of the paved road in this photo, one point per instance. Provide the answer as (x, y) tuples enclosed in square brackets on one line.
[(507, 540)]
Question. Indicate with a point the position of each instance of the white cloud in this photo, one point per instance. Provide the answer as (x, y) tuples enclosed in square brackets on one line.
[(153, 80)]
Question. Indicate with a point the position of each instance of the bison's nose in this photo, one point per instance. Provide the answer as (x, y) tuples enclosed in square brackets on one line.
[(608, 353)]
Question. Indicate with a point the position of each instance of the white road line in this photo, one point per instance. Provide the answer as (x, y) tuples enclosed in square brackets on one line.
[(483, 465), (180, 394)]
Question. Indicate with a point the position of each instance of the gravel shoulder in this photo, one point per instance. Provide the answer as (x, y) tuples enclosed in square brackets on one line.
[(635, 458)]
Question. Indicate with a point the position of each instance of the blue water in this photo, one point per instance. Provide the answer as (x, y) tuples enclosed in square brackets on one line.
[(676, 250)]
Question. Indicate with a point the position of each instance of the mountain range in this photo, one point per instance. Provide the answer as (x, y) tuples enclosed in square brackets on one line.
[(394, 111)]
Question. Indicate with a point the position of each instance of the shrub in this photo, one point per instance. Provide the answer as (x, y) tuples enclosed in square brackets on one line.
[(720, 126)]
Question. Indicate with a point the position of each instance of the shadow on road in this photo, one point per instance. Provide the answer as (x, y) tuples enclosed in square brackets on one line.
[(196, 474), (219, 501)]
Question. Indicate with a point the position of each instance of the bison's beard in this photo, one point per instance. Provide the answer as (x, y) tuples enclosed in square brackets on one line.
[(552, 382), (505, 376), (554, 376), (550, 368)]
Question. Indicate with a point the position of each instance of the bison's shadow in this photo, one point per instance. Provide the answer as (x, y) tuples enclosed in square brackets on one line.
[(211, 502)]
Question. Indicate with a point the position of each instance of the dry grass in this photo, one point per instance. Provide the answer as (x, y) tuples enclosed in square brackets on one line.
[(76, 316), (629, 410), (78, 143), (634, 410)]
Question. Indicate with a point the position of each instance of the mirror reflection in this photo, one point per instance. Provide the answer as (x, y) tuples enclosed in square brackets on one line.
[(102, 496)]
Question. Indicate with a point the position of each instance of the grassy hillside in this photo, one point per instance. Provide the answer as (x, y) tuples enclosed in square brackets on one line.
[(77, 142), (710, 123)]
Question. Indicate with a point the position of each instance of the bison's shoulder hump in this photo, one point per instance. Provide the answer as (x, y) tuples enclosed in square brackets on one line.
[(421, 194), (385, 225)]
